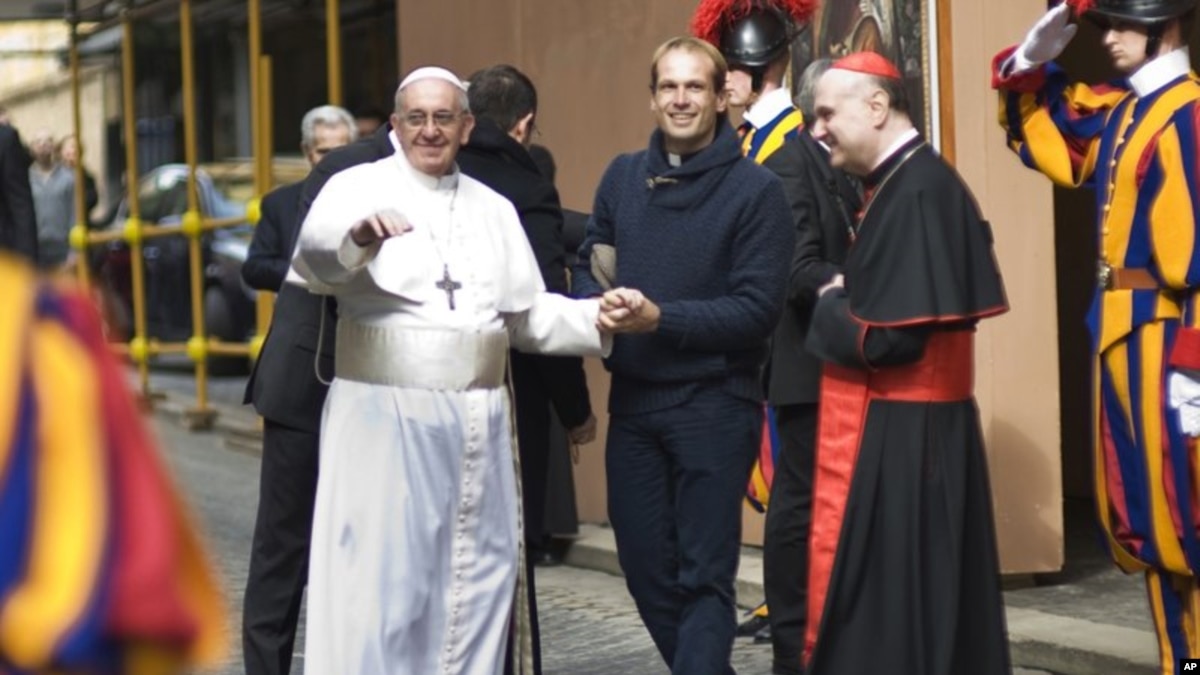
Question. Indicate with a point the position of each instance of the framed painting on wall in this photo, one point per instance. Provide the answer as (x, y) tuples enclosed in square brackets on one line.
[(905, 31)]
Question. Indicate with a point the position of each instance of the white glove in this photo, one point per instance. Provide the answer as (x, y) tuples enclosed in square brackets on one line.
[(1046, 40), (1184, 395)]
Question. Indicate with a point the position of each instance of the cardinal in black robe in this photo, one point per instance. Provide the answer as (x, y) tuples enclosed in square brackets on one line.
[(904, 574)]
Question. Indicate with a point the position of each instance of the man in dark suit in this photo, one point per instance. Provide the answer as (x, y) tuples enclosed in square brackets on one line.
[(18, 226), (824, 201), (286, 391), (504, 103)]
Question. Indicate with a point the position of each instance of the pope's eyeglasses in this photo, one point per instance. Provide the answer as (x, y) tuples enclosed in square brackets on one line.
[(442, 119)]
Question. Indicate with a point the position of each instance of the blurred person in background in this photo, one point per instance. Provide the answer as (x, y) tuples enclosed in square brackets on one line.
[(69, 153), (53, 188), (18, 223)]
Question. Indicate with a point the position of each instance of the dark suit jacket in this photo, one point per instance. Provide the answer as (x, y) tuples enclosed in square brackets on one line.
[(283, 386), (18, 227), (274, 239), (495, 159), (574, 232), (824, 203)]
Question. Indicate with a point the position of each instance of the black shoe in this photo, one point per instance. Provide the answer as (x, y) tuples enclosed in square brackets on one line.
[(750, 627), (763, 636)]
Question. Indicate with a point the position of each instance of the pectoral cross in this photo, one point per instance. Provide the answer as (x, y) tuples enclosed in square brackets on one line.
[(449, 285)]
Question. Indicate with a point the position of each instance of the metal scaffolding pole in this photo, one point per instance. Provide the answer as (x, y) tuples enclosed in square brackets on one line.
[(333, 48), (78, 235), (193, 225), (260, 92), (139, 349)]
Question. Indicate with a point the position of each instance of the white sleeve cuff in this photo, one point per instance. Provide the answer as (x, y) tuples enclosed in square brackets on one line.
[(354, 257), (1017, 64)]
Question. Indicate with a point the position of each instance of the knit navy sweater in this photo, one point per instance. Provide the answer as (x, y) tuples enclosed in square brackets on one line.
[(709, 242)]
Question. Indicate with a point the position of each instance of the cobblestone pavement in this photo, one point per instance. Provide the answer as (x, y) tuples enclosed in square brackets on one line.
[(590, 626)]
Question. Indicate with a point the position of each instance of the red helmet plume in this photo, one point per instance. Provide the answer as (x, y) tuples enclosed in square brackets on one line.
[(712, 15), (1079, 7)]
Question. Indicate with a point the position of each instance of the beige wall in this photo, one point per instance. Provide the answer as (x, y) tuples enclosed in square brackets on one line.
[(28, 52), (590, 62), (1017, 361)]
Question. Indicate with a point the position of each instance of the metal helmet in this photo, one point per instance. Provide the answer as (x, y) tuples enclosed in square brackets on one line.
[(1136, 11), (1154, 14), (757, 38)]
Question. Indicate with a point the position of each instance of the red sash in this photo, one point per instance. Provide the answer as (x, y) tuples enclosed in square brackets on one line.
[(945, 373)]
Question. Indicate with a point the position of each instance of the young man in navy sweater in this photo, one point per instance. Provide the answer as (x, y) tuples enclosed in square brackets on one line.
[(706, 236)]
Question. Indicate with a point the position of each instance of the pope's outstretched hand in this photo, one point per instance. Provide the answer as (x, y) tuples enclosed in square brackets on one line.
[(379, 226)]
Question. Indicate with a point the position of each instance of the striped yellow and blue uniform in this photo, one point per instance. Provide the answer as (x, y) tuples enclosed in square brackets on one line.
[(759, 143), (1140, 155), (100, 570)]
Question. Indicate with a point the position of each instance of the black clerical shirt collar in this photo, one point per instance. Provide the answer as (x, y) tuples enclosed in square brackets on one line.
[(900, 150)]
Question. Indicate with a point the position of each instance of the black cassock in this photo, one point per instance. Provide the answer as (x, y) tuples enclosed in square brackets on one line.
[(904, 575)]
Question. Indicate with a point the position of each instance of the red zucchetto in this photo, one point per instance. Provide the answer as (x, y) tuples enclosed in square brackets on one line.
[(869, 63)]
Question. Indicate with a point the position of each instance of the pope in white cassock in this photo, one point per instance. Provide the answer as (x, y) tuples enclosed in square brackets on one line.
[(416, 533)]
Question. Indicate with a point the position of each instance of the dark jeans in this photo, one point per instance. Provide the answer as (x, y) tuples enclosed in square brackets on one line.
[(785, 540), (279, 555), (676, 479)]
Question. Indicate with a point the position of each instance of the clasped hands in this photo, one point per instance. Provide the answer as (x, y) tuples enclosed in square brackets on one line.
[(625, 310)]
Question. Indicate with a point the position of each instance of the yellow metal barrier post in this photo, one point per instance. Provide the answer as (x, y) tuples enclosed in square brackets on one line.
[(333, 49), (202, 416), (260, 93), (78, 235), (266, 149), (139, 349)]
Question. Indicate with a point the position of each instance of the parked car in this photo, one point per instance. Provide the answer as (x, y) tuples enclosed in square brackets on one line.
[(228, 303)]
